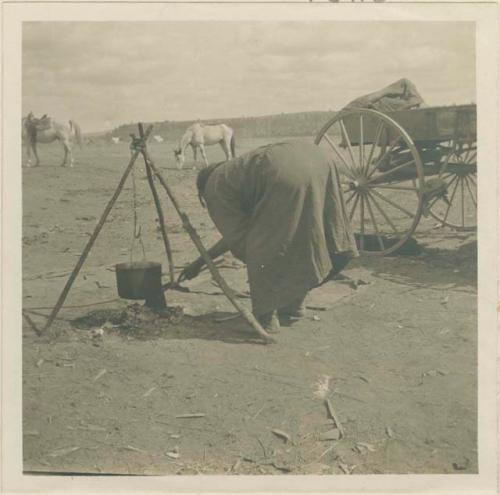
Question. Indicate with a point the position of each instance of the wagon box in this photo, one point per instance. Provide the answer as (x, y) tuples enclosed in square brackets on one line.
[(438, 123), (431, 124)]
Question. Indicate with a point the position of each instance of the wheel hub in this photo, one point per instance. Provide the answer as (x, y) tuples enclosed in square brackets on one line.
[(461, 169), (360, 184)]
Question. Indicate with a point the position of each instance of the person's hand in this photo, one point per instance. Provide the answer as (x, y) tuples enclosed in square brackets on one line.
[(191, 271)]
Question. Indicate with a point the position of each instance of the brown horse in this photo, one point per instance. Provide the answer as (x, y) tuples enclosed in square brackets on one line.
[(47, 130)]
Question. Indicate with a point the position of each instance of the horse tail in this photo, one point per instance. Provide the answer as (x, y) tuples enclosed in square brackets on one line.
[(78, 132), (233, 146)]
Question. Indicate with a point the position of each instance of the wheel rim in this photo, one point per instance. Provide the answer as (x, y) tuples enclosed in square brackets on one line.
[(382, 177), (459, 171)]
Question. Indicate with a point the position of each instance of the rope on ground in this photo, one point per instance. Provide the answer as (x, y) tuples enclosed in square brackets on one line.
[(75, 306)]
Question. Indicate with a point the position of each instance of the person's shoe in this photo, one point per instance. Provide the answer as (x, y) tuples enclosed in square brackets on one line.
[(269, 322), (297, 309)]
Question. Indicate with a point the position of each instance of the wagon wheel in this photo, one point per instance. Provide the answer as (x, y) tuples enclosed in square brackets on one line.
[(382, 177), (458, 170)]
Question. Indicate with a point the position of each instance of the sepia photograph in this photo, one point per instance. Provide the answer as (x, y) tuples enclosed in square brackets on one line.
[(249, 247)]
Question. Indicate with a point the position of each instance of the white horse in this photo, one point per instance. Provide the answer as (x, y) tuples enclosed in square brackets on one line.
[(200, 135), (47, 130)]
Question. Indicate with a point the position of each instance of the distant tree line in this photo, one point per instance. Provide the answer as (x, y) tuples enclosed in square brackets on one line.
[(285, 124)]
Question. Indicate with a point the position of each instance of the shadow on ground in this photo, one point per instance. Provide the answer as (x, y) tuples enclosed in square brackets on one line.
[(140, 323), (435, 268)]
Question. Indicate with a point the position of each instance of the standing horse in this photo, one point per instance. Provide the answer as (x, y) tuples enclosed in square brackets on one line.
[(200, 135), (47, 130)]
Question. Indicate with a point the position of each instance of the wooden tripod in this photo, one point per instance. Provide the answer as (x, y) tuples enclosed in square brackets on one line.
[(139, 147)]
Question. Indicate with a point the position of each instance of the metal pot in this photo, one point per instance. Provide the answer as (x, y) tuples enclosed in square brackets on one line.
[(138, 279)]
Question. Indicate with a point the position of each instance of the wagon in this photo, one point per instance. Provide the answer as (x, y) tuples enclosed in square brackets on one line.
[(395, 167)]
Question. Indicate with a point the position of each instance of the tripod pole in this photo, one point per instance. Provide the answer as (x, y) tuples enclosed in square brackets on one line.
[(161, 218), (94, 235)]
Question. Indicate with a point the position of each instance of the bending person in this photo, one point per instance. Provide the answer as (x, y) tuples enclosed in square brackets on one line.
[(279, 210)]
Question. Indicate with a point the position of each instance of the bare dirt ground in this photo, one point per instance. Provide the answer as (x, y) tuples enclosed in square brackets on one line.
[(396, 357)]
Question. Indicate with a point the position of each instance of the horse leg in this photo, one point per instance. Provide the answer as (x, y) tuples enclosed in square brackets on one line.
[(35, 152), (203, 154), (28, 154), (225, 148), (195, 154), (69, 147), (63, 164), (193, 148)]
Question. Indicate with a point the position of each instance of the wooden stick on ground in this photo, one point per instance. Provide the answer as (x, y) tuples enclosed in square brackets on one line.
[(94, 235), (335, 418), (31, 323), (229, 293)]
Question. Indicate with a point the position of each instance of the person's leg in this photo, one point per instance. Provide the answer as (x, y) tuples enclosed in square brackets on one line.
[(295, 309), (269, 321), (339, 261)]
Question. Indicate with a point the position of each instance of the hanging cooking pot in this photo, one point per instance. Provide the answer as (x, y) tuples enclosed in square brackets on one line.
[(138, 279)]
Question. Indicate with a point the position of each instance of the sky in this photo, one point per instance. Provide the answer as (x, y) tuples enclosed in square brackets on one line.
[(103, 74)]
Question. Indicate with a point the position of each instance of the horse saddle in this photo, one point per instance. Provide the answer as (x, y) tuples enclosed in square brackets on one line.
[(42, 124), (34, 126)]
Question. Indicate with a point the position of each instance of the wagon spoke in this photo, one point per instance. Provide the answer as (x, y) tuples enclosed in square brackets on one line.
[(347, 169), (391, 181), (348, 142), (361, 145), (380, 241), (449, 183), (397, 188), (374, 144), (447, 160), (362, 216), (385, 155), (347, 175), (450, 203), (392, 203), (465, 157), (434, 201), (383, 213), (354, 207), (349, 199), (472, 157), (459, 173), (449, 180), (463, 200), (470, 154), (391, 171), (474, 200), (448, 175)]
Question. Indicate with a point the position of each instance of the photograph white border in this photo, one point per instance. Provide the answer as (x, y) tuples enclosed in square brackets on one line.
[(485, 15)]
